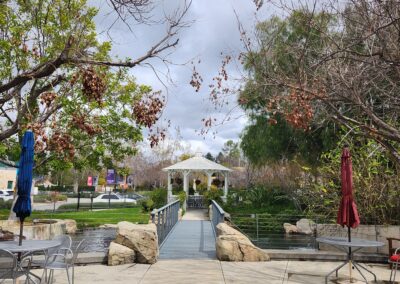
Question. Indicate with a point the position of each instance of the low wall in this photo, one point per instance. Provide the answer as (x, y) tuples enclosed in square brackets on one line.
[(40, 231), (369, 232)]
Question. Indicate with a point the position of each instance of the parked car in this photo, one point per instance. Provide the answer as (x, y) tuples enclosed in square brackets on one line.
[(6, 194), (113, 198), (135, 196)]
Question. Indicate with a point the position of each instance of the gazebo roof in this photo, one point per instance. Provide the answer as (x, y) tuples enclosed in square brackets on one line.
[(197, 163)]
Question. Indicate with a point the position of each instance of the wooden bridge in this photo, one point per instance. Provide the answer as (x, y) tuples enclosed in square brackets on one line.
[(191, 238)]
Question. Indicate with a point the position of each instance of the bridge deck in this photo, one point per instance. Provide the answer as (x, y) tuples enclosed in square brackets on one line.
[(190, 239)]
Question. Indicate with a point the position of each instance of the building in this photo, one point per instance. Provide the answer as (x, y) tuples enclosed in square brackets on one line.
[(8, 177)]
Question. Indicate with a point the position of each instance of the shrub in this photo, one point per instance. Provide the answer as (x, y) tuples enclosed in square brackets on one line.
[(176, 191), (56, 196), (40, 198), (159, 197), (87, 188), (59, 188), (51, 197), (201, 189), (5, 204), (261, 196), (182, 197), (191, 191), (147, 205), (213, 194)]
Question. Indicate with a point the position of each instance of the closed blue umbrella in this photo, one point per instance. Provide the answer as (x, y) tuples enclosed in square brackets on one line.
[(22, 207)]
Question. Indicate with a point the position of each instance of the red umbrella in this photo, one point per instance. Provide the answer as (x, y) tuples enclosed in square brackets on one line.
[(347, 214)]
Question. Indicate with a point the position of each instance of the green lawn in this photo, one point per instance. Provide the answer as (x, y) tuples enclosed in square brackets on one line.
[(91, 218)]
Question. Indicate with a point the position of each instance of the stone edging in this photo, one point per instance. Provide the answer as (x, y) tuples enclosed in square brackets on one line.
[(101, 257)]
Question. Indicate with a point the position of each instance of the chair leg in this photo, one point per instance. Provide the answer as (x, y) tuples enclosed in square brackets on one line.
[(44, 275), (395, 271), (73, 273), (67, 270), (391, 274), (51, 275)]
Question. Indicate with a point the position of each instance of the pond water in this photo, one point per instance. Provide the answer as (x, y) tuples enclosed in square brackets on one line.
[(285, 241), (97, 239)]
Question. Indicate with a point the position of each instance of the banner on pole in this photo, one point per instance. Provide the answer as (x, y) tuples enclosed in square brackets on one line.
[(110, 176), (89, 180), (95, 180)]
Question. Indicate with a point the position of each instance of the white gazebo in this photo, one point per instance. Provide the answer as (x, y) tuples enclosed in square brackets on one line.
[(196, 164)]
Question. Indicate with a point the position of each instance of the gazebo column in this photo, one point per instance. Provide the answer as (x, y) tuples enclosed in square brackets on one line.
[(169, 187), (226, 185), (186, 186), (209, 175)]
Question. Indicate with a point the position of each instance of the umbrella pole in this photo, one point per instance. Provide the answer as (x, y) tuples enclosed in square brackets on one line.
[(21, 231), (350, 264)]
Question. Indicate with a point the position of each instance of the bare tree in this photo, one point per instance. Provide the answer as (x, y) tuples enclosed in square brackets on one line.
[(330, 60)]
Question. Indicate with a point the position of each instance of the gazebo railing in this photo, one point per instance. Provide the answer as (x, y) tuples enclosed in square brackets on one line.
[(218, 215), (165, 219)]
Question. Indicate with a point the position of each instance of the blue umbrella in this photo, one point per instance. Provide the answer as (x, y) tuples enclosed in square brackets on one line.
[(22, 207)]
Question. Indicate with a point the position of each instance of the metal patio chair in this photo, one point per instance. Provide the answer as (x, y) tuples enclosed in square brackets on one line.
[(66, 243), (64, 262), (394, 261), (11, 268)]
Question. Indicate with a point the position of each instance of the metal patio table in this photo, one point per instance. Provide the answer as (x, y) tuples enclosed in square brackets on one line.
[(343, 244), (30, 246)]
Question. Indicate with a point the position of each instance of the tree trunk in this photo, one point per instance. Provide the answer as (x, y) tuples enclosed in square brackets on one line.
[(76, 181)]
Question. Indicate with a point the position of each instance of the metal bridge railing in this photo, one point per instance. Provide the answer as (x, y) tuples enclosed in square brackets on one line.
[(165, 219), (218, 215)]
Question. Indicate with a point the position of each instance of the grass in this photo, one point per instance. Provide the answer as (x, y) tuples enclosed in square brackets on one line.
[(96, 205), (90, 218)]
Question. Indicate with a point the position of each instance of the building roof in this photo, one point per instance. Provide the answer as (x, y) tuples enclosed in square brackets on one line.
[(197, 163)]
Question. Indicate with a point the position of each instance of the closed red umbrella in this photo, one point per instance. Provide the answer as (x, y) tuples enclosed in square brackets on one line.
[(347, 214)]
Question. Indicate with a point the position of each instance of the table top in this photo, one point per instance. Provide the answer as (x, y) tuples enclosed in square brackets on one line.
[(29, 245), (343, 241)]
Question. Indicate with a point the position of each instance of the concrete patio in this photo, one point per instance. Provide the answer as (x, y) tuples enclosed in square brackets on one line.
[(213, 271)]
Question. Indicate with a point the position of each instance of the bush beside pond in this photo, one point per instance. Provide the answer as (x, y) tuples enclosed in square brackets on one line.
[(5, 204)]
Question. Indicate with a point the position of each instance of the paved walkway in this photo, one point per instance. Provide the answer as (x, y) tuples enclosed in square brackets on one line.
[(213, 271), (190, 240), (196, 215)]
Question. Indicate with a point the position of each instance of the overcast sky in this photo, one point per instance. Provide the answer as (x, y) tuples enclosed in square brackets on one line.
[(214, 30)]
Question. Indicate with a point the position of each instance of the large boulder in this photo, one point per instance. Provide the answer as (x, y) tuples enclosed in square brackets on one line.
[(289, 228), (70, 226), (6, 235), (305, 226), (140, 238), (119, 254), (231, 245)]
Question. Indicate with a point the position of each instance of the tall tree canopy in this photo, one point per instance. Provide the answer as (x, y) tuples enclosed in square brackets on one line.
[(59, 80), (263, 142), (337, 61)]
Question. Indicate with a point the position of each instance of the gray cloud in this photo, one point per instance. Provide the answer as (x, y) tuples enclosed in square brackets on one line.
[(214, 31)]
